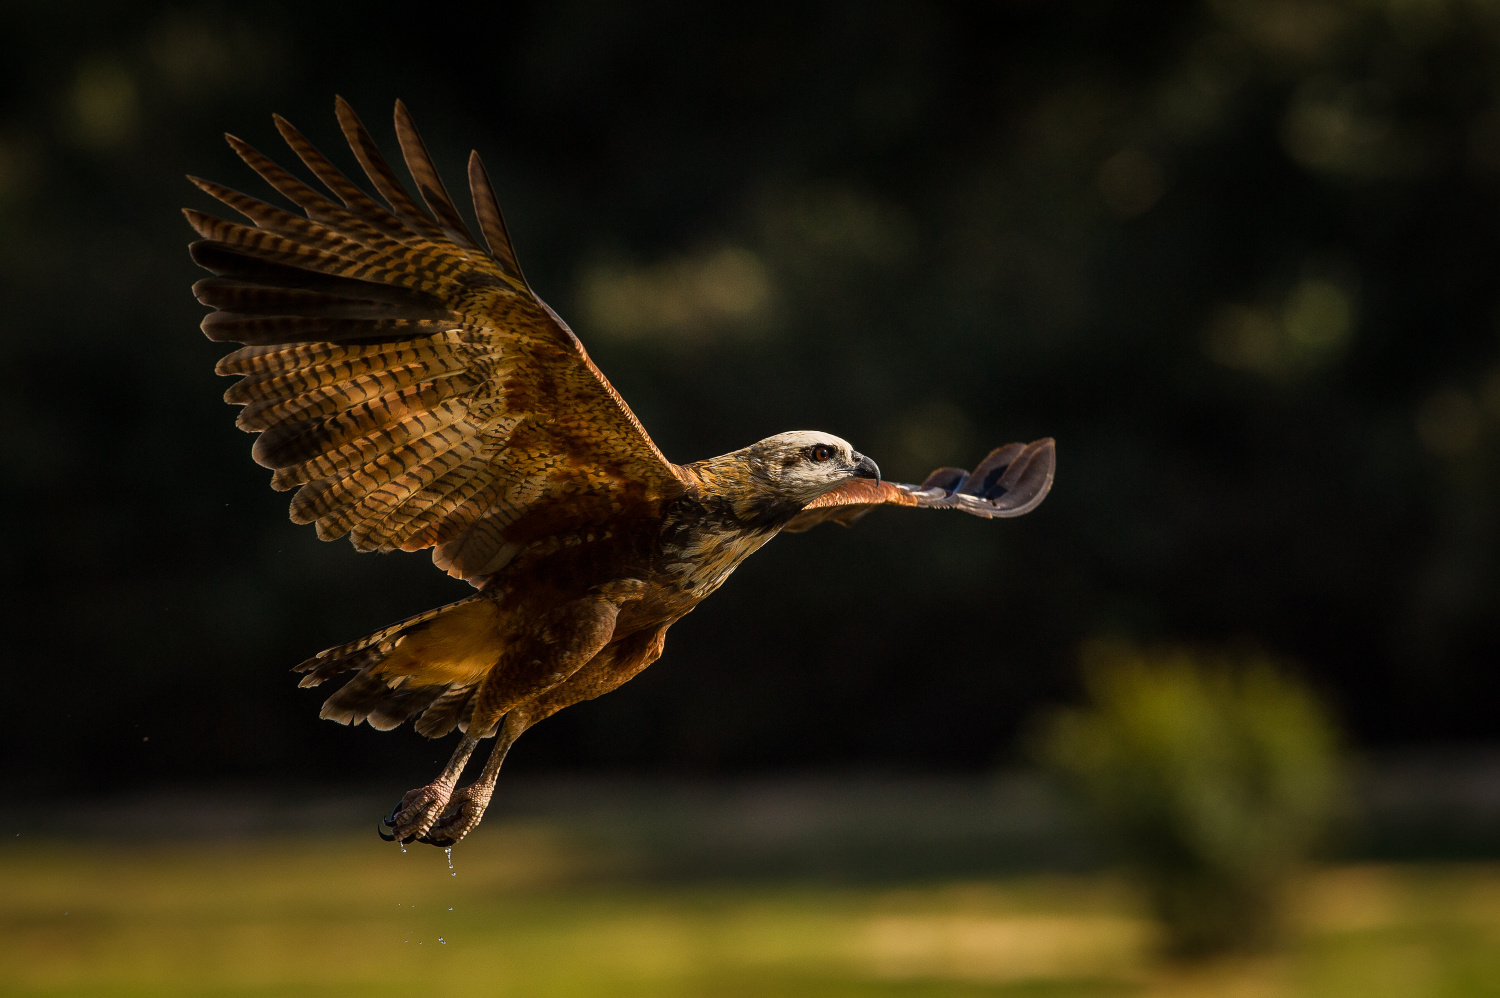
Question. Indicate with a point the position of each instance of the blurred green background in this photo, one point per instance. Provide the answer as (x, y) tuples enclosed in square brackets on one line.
[(1238, 256)]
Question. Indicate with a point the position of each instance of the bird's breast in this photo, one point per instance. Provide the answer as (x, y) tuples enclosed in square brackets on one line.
[(700, 561)]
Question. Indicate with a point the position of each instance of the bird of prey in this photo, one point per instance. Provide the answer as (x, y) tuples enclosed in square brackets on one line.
[(406, 380)]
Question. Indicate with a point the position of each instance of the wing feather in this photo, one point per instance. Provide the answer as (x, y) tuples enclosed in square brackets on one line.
[(356, 200), (429, 184), (1011, 481), (332, 501), (453, 491), (371, 446), (408, 384), (347, 395), (381, 174), (491, 221), (293, 441), (294, 190)]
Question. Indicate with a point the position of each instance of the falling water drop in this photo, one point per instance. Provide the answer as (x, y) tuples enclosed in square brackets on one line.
[(442, 940), (449, 853)]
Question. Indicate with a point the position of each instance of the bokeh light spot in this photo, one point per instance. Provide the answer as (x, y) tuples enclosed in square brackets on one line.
[(1448, 423), (1319, 315), (103, 106), (685, 297), (1131, 182)]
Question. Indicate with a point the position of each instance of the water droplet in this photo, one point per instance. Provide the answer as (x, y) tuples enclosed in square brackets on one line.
[(403, 848), (449, 852), (442, 940), (450, 907)]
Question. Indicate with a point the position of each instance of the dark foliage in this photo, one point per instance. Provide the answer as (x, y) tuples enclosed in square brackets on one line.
[(1238, 257)]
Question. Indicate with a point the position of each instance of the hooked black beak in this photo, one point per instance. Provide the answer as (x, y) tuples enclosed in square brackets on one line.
[(866, 468)]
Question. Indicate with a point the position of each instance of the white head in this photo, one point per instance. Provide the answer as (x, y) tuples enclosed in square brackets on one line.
[(801, 465)]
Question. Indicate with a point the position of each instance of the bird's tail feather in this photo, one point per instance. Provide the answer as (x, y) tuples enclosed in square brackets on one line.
[(427, 666)]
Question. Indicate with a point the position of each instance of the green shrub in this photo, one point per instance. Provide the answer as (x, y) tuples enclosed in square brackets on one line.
[(1213, 777)]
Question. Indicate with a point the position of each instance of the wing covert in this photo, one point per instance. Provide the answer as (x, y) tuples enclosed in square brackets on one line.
[(1011, 481), (410, 385)]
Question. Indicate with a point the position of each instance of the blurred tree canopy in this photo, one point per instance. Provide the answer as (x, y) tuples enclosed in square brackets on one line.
[(1238, 256)]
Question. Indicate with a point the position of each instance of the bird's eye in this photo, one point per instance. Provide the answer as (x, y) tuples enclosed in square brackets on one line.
[(820, 452)]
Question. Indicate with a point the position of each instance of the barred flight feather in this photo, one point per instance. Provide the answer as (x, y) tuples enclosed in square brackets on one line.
[(229, 326), (479, 550), (440, 458), (365, 449), (278, 220), (275, 248), (463, 484), (356, 200), (226, 261), (429, 184), (328, 497), (257, 299), (406, 382), (346, 395), (293, 442), (299, 385), (294, 190), (278, 358), (491, 221), (417, 267), (450, 513), (380, 173), (388, 237)]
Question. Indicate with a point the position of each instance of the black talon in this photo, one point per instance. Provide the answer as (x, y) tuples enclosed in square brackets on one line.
[(384, 835)]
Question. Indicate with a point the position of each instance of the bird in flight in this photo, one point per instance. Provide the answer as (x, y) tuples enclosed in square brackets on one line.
[(406, 380)]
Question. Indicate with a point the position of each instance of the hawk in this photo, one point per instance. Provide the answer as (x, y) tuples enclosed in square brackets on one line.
[(406, 380)]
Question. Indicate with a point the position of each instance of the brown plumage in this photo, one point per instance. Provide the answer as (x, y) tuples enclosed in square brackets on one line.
[(404, 378)]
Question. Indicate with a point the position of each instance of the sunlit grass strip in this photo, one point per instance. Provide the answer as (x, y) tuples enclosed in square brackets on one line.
[(529, 917)]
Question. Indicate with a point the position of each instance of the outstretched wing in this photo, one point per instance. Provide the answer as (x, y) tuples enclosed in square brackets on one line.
[(409, 384), (1011, 481)]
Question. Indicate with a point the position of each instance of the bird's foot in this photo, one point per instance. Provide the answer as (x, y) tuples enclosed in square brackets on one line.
[(463, 815), (417, 812)]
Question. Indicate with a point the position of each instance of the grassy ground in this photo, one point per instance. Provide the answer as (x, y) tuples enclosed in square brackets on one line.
[(522, 915)]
